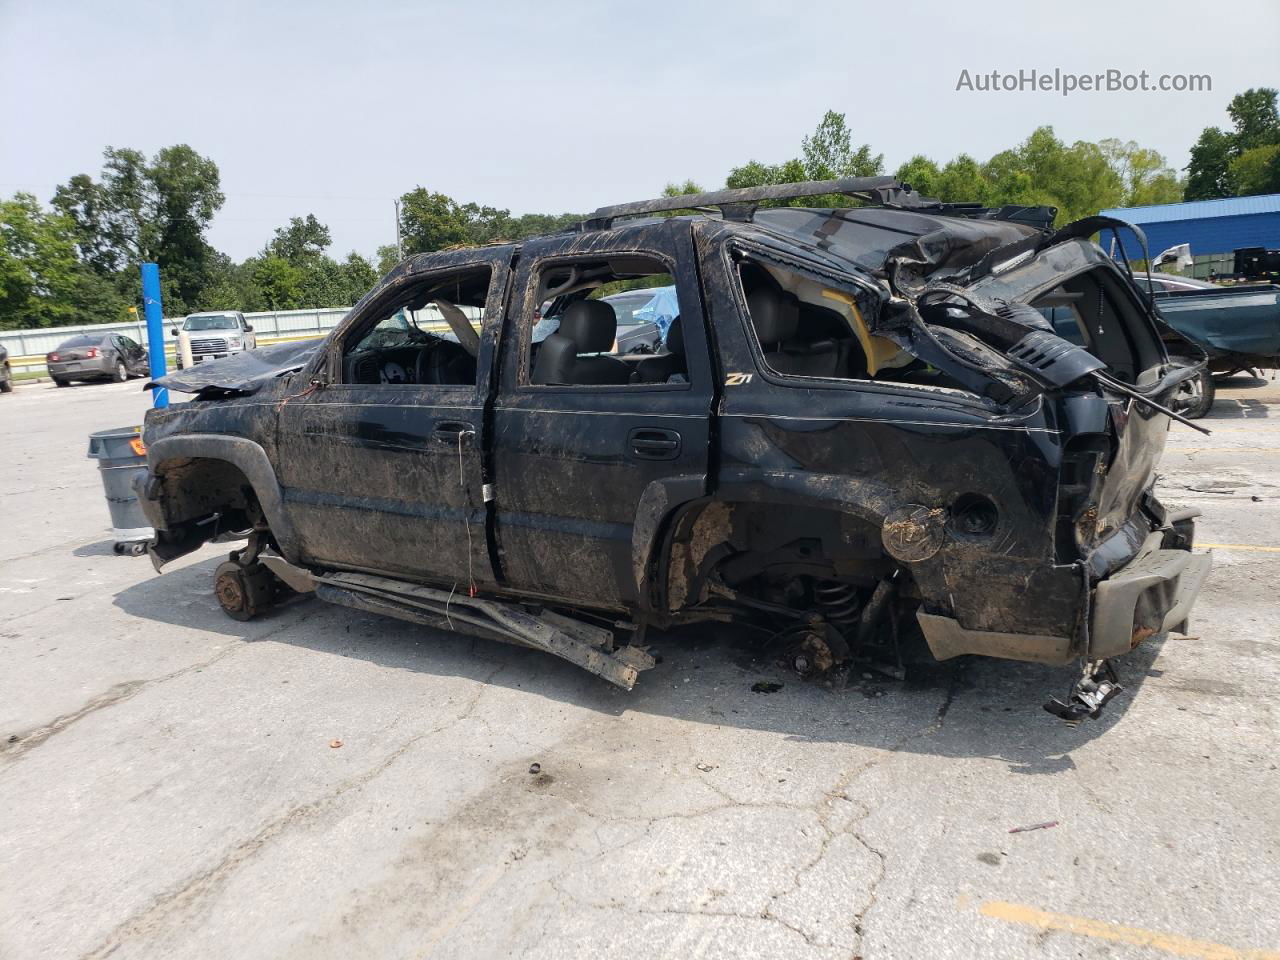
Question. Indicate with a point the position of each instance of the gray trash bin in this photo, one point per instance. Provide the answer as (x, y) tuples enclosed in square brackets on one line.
[(122, 457)]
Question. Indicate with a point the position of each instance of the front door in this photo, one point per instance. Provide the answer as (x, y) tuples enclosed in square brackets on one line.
[(581, 443), (381, 466), (135, 358)]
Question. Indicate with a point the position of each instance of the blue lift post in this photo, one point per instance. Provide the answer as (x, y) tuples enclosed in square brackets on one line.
[(155, 329)]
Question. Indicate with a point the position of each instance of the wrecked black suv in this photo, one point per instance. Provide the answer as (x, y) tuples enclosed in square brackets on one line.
[(861, 433)]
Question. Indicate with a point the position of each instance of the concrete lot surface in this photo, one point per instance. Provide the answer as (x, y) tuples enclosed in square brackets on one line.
[(170, 788)]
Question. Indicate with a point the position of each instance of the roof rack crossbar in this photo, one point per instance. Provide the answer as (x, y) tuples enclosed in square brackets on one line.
[(740, 204)]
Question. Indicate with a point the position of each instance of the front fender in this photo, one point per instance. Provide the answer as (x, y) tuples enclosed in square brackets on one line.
[(246, 455)]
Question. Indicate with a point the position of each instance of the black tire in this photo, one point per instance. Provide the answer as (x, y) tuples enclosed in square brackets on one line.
[(6, 385), (1201, 395), (121, 373), (57, 382)]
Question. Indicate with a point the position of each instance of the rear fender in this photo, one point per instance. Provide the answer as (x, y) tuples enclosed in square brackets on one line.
[(678, 527)]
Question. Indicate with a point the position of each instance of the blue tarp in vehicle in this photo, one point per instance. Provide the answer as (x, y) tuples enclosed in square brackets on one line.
[(661, 310)]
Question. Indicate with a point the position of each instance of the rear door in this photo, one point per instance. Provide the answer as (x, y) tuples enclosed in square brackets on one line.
[(381, 467), (575, 464)]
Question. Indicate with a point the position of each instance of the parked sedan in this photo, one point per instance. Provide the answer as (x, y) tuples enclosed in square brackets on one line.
[(6, 374), (107, 356)]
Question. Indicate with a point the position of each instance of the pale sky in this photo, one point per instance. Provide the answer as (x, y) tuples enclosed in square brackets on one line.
[(336, 108)]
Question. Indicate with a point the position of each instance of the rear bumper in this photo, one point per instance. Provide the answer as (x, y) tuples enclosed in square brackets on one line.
[(77, 369), (1152, 593)]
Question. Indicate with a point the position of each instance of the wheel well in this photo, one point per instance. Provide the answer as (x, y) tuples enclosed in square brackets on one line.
[(195, 488), (738, 543)]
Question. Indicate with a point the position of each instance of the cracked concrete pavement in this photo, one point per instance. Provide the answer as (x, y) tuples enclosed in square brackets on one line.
[(169, 790)]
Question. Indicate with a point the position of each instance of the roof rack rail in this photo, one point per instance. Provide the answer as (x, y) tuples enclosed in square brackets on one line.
[(741, 204)]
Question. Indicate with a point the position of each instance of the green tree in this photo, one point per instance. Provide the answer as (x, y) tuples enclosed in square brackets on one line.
[(961, 181), (185, 194), (431, 221), (1256, 171), (680, 190), (539, 224), (230, 286), (753, 173), (304, 239), (140, 210), (388, 257), (42, 281), (828, 152), (921, 174), (1218, 159), (825, 154), (1144, 175), (279, 282), (358, 278), (1255, 118), (1209, 169)]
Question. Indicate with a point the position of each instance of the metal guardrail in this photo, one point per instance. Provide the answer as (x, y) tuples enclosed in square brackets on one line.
[(271, 327), (27, 348)]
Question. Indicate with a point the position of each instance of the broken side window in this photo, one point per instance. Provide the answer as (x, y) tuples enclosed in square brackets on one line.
[(810, 327), (612, 321), (427, 335), (1090, 310)]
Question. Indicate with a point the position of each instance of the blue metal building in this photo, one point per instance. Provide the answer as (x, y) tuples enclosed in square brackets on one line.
[(1210, 226)]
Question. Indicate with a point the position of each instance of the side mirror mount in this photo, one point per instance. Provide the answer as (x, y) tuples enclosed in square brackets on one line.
[(248, 328)]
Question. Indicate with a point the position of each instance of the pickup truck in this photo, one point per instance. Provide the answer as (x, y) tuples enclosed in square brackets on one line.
[(861, 436), (214, 336), (1237, 326)]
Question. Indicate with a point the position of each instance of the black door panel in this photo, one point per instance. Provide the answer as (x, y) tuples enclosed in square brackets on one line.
[(573, 463), (388, 476)]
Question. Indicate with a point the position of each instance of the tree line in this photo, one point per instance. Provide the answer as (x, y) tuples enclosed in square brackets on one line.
[(76, 259)]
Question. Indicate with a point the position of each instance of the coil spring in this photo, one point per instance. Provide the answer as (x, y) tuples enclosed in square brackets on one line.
[(839, 602)]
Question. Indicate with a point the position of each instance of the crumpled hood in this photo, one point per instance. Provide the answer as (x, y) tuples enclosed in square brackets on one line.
[(242, 373)]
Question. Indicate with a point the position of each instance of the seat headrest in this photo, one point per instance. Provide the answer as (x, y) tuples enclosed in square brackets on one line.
[(591, 324), (675, 339), (774, 313)]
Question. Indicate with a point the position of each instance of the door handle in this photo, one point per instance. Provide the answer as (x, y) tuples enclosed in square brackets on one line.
[(652, 443), (451, 431)]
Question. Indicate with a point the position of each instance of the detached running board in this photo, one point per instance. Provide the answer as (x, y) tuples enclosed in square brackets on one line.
[(583, 644)]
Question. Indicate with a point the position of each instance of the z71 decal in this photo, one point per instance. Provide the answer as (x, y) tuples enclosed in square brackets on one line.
[(737, 379)]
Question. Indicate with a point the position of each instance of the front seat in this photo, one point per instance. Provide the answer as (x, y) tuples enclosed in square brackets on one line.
[(661, 368), (775, 314), (587, 327)]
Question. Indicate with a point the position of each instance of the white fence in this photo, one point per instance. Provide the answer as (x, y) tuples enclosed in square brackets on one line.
[(28, 347)]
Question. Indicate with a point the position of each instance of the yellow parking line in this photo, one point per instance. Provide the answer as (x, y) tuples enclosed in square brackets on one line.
[(1238, 546), (1222, 449), (1134, 936)]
